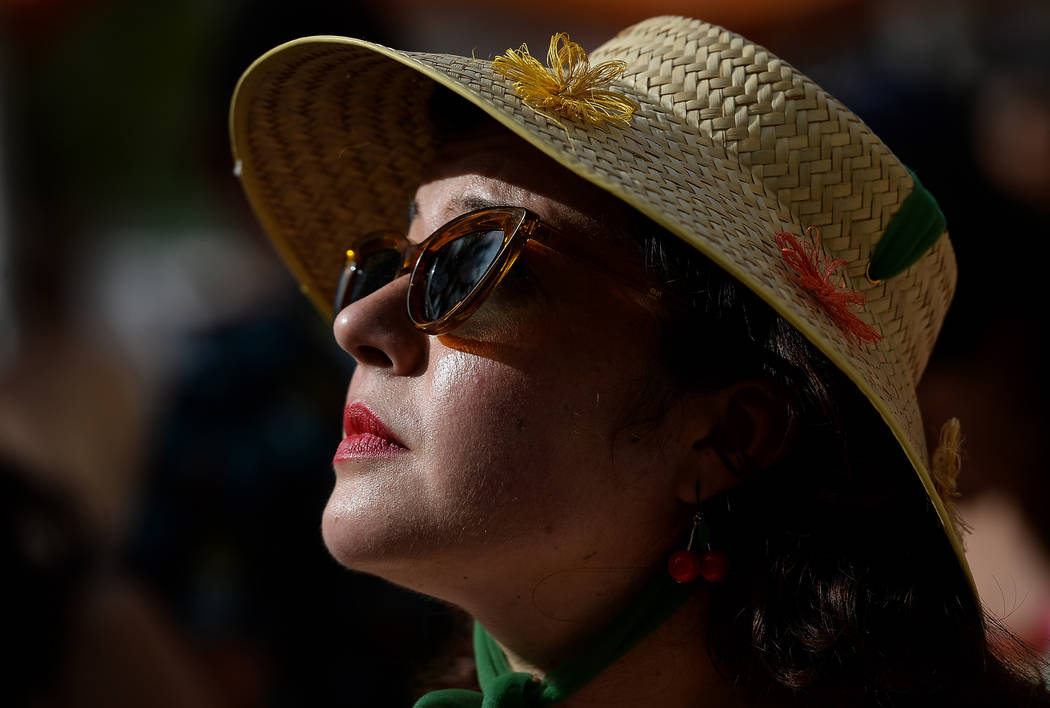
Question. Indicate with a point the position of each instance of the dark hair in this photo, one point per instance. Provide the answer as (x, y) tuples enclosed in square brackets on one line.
[(844, 588)]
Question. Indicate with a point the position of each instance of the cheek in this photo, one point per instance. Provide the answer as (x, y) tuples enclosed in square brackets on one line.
[(507, 446), (478, 421)]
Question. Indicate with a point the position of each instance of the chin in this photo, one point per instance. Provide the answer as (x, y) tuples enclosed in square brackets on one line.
[(352, 540), (371, 538)]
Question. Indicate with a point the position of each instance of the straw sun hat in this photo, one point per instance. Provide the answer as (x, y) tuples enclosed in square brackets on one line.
[(729, 147)]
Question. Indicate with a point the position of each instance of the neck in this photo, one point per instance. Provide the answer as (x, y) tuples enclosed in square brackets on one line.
[(668, 667), (546, 615), (541, 629)]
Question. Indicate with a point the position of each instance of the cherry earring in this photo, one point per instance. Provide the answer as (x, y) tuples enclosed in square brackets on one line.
[(685, 564)]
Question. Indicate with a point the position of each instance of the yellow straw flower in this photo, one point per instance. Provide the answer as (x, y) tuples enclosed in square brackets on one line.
[(568, 85)]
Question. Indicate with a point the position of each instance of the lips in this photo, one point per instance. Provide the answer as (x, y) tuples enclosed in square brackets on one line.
[(366, 436)]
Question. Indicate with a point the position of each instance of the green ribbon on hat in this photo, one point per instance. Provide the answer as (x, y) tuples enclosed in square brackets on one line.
[(912, 231), (503, 688)]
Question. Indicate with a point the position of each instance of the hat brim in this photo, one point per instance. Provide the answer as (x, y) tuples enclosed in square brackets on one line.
[(331, 134)]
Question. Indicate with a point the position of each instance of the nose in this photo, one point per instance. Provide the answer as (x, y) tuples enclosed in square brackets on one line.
[(377, 331)]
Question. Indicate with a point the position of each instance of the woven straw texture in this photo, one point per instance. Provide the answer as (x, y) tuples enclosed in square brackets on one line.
[(730, 146)]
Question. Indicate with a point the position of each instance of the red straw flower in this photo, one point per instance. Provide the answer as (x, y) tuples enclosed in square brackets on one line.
[(814, 274)]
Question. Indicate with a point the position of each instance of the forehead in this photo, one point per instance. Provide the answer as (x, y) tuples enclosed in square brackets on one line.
[(492, 165)]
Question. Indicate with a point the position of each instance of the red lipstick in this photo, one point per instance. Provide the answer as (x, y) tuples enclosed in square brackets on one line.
[(366, 436)]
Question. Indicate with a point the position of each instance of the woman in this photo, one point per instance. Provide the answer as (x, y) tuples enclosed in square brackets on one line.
[(656, 436)]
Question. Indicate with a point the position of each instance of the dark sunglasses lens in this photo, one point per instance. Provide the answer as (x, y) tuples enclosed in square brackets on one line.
[(370, 273), (456, 269)]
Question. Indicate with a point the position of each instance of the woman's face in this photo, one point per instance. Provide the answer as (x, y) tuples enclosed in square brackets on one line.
[(530, 445)]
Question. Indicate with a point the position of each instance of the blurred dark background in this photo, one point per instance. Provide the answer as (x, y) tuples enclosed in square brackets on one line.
[(169, 403)]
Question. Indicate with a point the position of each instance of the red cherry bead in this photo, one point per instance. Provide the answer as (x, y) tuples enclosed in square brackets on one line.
[(714, 566), (684, 566)]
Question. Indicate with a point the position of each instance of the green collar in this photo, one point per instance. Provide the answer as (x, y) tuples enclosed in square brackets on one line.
[(503, 688)]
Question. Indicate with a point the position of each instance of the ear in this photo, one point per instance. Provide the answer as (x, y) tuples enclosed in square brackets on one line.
[(745, 429)]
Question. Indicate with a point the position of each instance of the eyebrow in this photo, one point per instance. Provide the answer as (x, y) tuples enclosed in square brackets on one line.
[(461, 204), (596, 230)]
